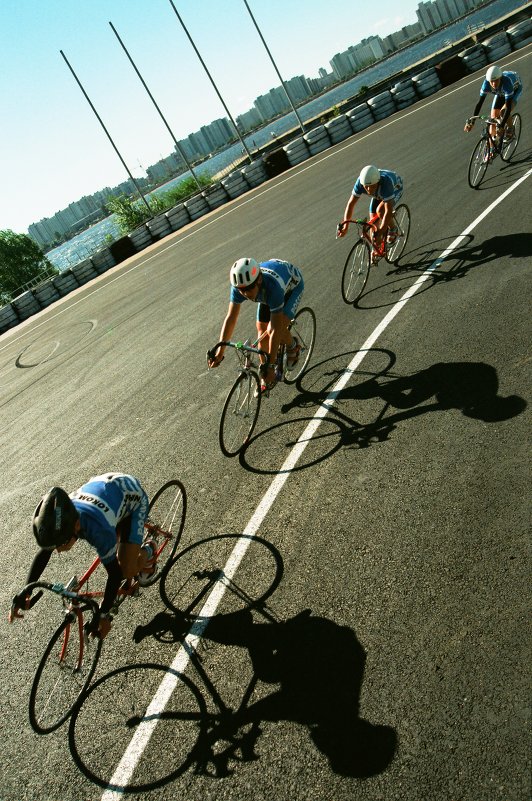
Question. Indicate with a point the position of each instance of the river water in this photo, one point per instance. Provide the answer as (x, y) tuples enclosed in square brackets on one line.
[(85, 243)]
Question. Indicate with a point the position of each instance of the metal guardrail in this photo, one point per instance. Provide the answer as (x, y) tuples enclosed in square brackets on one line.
[(42, 276)]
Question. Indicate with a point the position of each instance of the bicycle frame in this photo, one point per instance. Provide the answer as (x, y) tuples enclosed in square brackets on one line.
[(366, 229), (495, 145)]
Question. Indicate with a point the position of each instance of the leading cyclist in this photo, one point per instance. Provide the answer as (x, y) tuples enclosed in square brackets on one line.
[(385, 188), (507, 86), (109, 513), (277, 286)]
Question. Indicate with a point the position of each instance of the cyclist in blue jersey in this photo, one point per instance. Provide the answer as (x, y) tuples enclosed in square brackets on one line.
[(277, 286), (108, 512), (507, 86), (385, 188)]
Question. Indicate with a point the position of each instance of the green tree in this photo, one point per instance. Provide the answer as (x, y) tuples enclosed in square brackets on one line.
[(21, 260)]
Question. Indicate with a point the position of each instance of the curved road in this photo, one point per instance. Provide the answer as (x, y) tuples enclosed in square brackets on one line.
[(372, 642)]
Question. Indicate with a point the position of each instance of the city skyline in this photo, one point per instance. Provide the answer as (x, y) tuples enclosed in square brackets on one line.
[(54, 150)]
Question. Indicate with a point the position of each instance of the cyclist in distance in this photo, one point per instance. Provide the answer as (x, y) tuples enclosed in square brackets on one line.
[(385, 188), (507, 87), (277, 286), (109, 513)]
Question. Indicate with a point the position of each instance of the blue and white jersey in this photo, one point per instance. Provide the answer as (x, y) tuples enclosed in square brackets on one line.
[(509, 85), (279, 278), (102, 503), (390, 187)]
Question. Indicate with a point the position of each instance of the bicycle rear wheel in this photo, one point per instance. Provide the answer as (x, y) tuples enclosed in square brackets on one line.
[(64, 673), (356, 272), (239, 414), (509, 147), (395, 250), (478, 163), (304, 329), (165, 523)]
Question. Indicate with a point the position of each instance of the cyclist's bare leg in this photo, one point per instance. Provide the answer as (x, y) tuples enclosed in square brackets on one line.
[(495, 114), (131, 558)]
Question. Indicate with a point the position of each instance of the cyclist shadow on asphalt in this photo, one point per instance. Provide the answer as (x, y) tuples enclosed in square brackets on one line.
[(469, 387), (317, 666), (464, 258)]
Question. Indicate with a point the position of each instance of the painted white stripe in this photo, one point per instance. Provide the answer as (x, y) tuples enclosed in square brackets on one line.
[(134, 751)]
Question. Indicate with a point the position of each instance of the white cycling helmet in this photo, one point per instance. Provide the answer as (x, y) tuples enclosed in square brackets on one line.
[(244, 272), (494, 73), (369, 175)]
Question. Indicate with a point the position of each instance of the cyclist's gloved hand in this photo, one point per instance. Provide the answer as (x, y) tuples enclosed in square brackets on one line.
[(213, 360), (469, 124), (20, 602), (341, 229)]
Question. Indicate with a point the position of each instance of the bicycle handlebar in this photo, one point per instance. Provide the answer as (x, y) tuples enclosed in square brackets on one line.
[(359, 221), (238, 346), (58, 589), (484, 118)]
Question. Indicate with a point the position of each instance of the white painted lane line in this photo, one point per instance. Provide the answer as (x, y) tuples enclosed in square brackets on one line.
[(140, 740)]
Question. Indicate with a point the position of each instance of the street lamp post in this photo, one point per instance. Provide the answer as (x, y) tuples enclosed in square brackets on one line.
[(275, 67), (211, 79), (107, 133), (178, 148)]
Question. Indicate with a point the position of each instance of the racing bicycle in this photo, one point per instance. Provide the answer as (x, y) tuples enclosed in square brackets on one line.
[(364, 252), (242, 404), (488, 148), (71, 657)]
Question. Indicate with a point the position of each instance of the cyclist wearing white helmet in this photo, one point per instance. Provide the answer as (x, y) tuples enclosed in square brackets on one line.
[(507, 86), (385, 187), (108, 512), (277, 286)]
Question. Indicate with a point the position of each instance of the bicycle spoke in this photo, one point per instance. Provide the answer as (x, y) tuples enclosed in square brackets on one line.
[(509, 145), (355, 272), (478, 164), (64, 672), (165, 523), (240, 413), (304, 329), (402, 221)]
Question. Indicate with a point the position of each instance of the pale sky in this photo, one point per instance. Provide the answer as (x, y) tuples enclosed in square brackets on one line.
[(53, 150)]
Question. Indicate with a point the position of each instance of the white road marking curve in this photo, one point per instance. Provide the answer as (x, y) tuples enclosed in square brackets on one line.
[(140, 739)]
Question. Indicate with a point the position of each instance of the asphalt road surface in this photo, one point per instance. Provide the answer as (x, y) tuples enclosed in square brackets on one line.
[(373, 642)]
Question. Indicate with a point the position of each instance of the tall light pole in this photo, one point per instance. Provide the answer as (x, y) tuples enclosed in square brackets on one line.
[(87, 98), (178, 148), (275, 67), (211, 80)]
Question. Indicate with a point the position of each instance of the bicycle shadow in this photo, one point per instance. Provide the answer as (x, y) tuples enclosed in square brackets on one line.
[(469, 255), (317, 667), (314, 666), (471, 388), (506, 173)]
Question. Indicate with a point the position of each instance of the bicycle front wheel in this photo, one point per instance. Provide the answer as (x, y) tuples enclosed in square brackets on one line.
[(395, 250), (165, 523), (239, 414), (64, 673), (510, 146), (356, 272), (478, 163), (304, 329)]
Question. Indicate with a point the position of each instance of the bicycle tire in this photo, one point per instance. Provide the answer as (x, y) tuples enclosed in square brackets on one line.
[(395, 250), (240, 413), (509, 149), (165, 523), (63, 674), (478, 163), (304, 329), (356, 271)]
